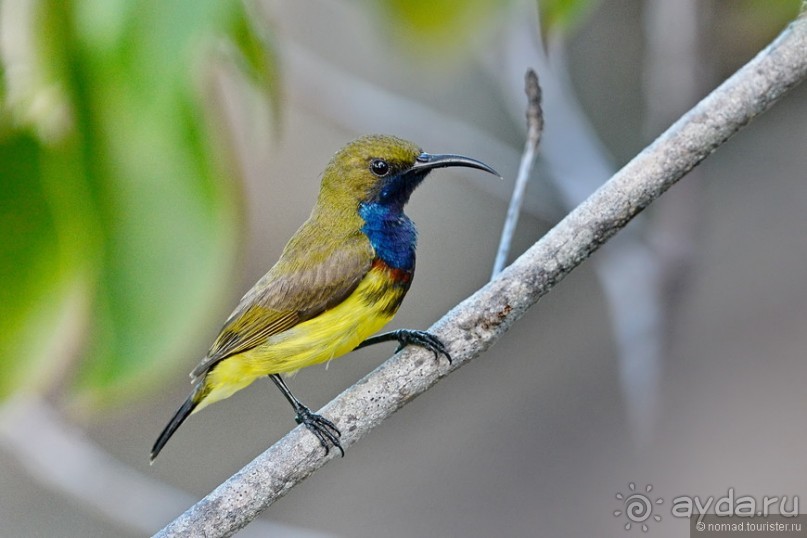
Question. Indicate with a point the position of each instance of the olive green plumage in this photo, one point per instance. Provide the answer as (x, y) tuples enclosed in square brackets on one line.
[(339, 279), (324, 260)]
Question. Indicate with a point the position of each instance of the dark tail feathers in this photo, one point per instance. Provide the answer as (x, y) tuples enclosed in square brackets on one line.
[(179, 417)]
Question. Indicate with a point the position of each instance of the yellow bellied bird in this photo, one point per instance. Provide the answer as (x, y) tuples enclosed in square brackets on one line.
[(340, 278)]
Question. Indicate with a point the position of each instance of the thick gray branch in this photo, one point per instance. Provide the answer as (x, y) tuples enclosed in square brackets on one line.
[(476, 323)]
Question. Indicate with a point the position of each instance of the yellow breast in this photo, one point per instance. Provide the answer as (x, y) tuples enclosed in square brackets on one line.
[(331, 334)]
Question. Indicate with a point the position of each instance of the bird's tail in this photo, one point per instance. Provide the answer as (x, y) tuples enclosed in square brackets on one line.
[(179, 417)]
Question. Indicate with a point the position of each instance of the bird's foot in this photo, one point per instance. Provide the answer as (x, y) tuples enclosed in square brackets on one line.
[(409, 337), (324, 430)]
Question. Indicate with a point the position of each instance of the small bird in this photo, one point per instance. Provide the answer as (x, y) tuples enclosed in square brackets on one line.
[(340, 279)]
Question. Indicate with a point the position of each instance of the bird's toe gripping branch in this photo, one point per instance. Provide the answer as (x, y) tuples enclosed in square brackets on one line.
[(407, 337), (410, 337), (324, 430)]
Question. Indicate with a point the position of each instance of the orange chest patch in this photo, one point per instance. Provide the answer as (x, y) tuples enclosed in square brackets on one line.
[(387, 287)]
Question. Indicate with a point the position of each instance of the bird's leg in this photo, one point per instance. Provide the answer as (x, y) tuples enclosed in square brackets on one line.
[(409, 337), (325, 430)]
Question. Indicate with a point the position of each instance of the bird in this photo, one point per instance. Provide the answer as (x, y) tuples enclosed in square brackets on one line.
[(339, 280)]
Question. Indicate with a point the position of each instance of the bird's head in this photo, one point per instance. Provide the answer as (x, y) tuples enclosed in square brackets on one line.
[(384, 170)]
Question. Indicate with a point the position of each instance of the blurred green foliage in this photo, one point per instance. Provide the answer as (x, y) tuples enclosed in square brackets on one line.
[(438, 26), (562, 15), (740, 28), (449, 26), (120, 222)]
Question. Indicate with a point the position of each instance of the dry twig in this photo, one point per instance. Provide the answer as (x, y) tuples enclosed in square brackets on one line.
[(535, 127)]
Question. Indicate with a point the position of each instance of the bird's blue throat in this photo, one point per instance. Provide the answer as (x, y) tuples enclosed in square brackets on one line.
[(391, 232)]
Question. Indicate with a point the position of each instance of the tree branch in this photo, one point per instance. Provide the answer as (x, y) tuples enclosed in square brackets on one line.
[(476, 323)]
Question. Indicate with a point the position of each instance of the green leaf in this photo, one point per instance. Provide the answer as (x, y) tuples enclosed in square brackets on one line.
[(169, 215), (444, 27), (256, 53), (128, 222), (562, 15), (43, 273), (27, 252), (2, 91)]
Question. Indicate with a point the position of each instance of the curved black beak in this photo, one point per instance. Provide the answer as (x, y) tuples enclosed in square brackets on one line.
[(427, 161)]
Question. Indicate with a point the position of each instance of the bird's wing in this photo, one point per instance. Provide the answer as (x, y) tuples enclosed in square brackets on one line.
[(310, 277)]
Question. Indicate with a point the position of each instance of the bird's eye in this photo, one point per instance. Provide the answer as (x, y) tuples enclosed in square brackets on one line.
[(379, 167)]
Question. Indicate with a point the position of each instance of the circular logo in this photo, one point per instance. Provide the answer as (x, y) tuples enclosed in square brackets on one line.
[(637, 507)]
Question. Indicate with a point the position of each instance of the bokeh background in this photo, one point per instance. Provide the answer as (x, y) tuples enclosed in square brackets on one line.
[(155, 157)]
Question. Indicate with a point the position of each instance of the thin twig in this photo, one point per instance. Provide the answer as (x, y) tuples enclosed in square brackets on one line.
[(476, 323), (535, 127)]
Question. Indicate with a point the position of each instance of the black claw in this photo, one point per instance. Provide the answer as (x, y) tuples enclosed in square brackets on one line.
[(407, 337), (322, 428)]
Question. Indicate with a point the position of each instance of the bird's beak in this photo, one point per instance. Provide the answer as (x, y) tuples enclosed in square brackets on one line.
[(427, 161)]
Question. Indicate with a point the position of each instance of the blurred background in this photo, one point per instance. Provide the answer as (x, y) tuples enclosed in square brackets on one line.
[(156, 156)]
